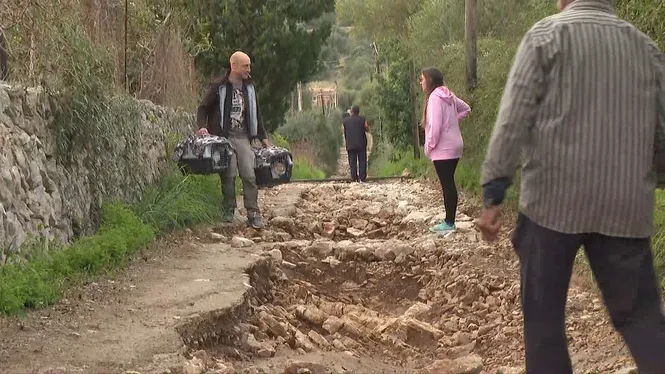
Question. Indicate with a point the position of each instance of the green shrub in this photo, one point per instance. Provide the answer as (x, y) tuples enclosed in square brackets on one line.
[(41, 279), (312, 132), (280, 141), (179, 201), (387, 161), (38, 275), (303, 169)]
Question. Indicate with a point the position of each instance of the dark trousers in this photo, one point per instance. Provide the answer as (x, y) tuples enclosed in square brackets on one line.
[(358, 158), (445, 170), (624, 271)]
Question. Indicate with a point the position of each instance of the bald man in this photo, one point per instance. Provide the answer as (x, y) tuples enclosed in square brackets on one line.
[(230, 108)]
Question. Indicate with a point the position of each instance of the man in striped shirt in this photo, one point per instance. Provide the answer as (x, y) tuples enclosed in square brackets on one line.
[(581, 106)]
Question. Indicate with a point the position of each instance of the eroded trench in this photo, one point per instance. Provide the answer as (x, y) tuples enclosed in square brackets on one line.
[(354, 282)]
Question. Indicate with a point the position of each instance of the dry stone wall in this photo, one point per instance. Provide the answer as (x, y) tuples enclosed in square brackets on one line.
[(40, 195)]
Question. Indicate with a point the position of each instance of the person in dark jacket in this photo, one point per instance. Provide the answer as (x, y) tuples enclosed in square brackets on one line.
[(355, 134), (234, 96)]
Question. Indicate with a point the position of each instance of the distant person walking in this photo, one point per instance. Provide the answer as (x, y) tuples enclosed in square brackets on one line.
[(580, 105), (355, 135), (443, 138)]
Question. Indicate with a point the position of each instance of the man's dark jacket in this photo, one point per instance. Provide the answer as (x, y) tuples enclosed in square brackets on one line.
[(355, 128), (208, 114)]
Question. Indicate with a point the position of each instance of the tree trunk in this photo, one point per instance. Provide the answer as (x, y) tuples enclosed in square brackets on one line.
[(470, 41), (299, 97), (412, 82)]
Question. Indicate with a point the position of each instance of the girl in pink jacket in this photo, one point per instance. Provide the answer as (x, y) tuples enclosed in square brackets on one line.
[(443, 139)]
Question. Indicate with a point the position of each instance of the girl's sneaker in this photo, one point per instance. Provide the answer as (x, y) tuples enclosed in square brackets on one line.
[(442, 228)]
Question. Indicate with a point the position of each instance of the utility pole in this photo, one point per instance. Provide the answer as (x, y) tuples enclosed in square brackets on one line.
[(414, 117), (299, 97), (470, 42)]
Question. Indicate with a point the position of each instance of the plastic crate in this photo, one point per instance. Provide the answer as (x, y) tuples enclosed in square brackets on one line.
[(273, 166), (208, 154)]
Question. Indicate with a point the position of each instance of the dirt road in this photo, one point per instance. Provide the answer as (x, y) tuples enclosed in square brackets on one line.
[(345, 277)]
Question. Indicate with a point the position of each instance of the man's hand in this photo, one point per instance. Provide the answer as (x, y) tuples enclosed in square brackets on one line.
[(490, 223), (265, 143), (202, 131)]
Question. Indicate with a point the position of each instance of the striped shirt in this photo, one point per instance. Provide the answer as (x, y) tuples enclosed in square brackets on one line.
[(580, 106)]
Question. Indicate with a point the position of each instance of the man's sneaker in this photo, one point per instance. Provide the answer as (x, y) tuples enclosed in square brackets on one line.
[(228, 217), (255, 221), (442, 228)]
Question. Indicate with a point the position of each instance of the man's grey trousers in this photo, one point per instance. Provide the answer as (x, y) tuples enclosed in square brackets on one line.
[(242, 162)]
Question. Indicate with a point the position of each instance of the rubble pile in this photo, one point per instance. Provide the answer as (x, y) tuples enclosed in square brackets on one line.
[(364, 277)]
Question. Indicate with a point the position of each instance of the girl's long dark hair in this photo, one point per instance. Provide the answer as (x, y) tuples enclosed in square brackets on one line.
[(434, 79)]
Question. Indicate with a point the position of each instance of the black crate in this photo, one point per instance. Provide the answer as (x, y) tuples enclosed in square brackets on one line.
[(204, 155), (273, 166)]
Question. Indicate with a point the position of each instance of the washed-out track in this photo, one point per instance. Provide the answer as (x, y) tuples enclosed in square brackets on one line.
[(352, 281)]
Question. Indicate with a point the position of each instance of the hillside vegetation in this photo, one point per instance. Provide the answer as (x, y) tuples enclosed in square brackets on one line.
[(94, 58), (431, 33), (94, 61)]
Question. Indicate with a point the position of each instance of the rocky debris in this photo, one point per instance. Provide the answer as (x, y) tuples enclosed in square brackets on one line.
[(314, 323), (367, 211), (240, 242), (300, 367), (511, 370), (201, 363), (319, 340), (218, 237), (276, 255), (631, 370), (471, 364), (417, 310), (250, 344), (371, 281)]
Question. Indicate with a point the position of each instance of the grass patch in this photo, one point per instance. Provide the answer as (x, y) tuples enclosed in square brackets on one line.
[(304, 169), (304, 158), (38, 275), (314, 136), (387, 161), (182, 201), (658, 239)]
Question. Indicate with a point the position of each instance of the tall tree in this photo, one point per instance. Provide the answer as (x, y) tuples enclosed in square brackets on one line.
[(387, 24), (283, 38)]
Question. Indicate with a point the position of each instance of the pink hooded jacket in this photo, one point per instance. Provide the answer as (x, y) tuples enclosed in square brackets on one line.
[(443, 139)]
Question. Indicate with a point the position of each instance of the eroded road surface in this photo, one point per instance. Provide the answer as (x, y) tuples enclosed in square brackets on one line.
[(345, 278)]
